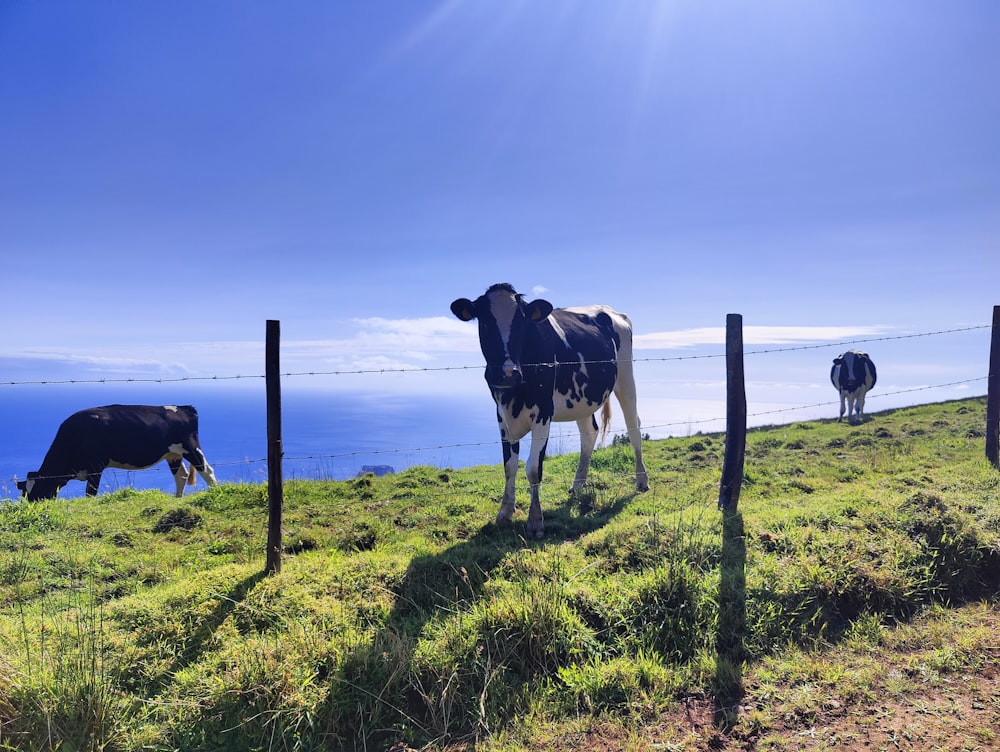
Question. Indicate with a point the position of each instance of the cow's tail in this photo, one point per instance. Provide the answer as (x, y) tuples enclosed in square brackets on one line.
[(191, 475), (605, 418)]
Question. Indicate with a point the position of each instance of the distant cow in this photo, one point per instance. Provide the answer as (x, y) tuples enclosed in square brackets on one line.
[(129, 437), (545, 364), (853, 375)]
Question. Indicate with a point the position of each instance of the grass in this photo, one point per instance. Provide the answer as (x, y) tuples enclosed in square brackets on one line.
[(860, 571)]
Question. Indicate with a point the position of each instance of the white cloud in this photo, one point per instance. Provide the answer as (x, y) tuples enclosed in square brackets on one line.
[(414, 338), (56, 363), (753, 335), (369, 345)]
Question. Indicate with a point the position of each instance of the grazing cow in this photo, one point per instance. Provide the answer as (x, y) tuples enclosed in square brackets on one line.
[(129, 437), (853, 375), (547, 364)]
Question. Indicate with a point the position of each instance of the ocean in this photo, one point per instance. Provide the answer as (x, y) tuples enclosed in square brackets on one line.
[(326, 434), (335, 433)]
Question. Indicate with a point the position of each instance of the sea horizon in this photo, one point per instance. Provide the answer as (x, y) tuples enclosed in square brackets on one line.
[(334, 434)]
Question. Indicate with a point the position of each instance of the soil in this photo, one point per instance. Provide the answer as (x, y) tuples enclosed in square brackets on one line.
[(961, 712), (953, 711)]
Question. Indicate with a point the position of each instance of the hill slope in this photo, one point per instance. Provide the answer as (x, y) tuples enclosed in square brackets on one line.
[(849, 600)]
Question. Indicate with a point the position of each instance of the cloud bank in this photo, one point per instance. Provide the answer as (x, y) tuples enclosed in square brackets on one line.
[(371, 344)]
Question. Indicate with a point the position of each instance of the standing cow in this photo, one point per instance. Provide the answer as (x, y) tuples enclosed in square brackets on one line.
[(852, 375), (547, 364), (129, 437)]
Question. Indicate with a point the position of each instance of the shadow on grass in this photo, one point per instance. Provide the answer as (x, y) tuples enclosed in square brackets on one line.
[(730, 649), (201, 638), (459, 572), (453, 580)]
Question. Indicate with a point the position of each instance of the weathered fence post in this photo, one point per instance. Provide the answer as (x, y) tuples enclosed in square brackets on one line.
[(736, 415), (275, 489), (993, 394), (729, 638)]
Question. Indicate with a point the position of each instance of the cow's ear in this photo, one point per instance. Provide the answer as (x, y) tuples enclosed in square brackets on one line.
[(837, 361), (464, 309), (538, 310)]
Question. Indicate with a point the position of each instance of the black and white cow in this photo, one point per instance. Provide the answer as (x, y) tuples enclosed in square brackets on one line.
[(129, 437), (547, 364), (853, 375)]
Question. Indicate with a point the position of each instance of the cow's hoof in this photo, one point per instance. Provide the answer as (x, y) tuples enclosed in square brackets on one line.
[(536, 529), (506, 513)]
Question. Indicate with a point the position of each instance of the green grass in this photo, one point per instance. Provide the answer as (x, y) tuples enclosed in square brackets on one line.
[(403, 614)]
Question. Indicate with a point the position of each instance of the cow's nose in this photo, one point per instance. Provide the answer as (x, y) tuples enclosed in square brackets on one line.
[(504, 377)]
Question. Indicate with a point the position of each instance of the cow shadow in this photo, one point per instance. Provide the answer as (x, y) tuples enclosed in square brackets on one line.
[(460, 572), (454, 579)]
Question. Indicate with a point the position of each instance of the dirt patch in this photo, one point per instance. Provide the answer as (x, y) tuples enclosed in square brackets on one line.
[(905, 701), (959, 712)]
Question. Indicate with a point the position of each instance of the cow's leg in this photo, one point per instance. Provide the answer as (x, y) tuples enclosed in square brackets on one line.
[(861, 404), (510, 463), (852, 407), (93, 482), (625, 392), (843, 406), (197, 459), (588, 438), (533, 469), (180, 474)]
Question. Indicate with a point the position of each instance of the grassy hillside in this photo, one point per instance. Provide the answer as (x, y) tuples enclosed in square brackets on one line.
[(404, 619)]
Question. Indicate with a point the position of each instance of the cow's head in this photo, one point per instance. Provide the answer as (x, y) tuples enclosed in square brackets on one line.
[(36, 487), (503, 319), (852, 369)]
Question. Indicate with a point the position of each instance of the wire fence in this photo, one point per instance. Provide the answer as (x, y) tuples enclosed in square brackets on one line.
[(688, 424), (477, 367)]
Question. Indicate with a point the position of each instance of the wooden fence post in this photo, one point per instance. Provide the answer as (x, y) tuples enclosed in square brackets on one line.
[(730, 635), (993, 394), (275, 451), (736, 415)]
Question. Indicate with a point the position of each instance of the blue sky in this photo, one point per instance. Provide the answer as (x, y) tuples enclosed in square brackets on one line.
[(173, 174)]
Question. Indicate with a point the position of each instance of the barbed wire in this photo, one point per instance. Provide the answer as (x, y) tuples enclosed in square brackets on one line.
[(435, 369), (491, 489), (494, 487), (570, 435), (793, 348), (126, 380), (557, 436)]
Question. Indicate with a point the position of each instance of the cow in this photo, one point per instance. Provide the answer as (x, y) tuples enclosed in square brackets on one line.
[(129, 437), (546, 364), (853, 375)]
